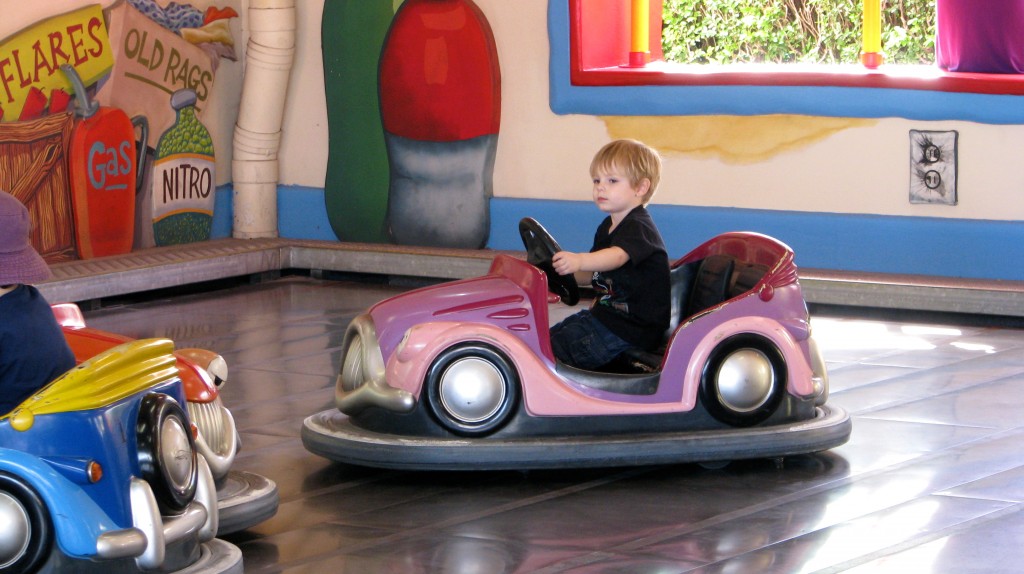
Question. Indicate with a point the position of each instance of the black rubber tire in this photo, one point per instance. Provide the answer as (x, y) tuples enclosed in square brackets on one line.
[(154, 410), (710, 391), (451, 420)]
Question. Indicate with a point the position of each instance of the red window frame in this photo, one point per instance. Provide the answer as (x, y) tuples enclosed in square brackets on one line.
[(599, 47)]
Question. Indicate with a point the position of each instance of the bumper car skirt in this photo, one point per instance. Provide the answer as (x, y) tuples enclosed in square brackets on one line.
[(245, 499), (331, 435)]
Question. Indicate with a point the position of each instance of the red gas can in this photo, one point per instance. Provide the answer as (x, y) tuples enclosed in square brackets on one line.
[(105, 174)]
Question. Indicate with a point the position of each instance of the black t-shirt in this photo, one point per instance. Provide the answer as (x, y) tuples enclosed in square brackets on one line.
[(633, 300)]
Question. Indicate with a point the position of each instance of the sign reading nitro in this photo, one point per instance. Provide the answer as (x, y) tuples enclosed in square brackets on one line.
[(183, 177), (30, 60)]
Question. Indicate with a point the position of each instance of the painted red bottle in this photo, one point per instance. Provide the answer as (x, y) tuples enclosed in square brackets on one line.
[(440, 92)]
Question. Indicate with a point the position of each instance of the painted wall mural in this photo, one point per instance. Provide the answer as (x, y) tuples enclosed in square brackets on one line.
[(437, 85), (34, 169), (105, 174), (356, 188), (183, 177), (37, 128), (87, 97)]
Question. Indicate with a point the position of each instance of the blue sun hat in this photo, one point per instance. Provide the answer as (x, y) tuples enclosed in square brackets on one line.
[(19, 261)]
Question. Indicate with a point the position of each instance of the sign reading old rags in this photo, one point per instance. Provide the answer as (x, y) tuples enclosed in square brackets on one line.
[(150, 64)]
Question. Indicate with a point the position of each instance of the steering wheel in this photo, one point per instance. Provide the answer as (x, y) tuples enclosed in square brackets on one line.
[(540, 249)]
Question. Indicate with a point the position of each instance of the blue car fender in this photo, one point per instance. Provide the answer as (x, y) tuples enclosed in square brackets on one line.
[(77, 520)]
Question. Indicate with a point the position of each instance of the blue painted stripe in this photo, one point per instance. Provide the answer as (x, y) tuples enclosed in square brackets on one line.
[(223, 213), (759, 100), (301, 213), (969, 248)]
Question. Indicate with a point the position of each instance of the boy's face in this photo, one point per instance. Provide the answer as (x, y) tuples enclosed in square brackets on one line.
[(615, 195)]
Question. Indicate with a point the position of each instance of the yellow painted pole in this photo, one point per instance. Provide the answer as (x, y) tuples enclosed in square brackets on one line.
[(871, 52), (640, 41)]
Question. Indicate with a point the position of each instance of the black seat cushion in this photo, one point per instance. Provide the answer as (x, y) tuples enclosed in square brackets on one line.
[(745, 277), (711, 285), (681, 278)]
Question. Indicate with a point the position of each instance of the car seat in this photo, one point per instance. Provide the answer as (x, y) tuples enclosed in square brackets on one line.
[(696, 287)]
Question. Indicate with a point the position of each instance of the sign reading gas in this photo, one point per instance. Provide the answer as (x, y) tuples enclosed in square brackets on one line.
[(114, 162), (32, 57)]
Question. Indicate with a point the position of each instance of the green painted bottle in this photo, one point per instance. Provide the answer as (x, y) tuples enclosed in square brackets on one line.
[(356, 187), (183, 177)]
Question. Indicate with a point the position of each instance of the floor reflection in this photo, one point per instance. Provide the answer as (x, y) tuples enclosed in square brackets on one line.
[(931, 480)]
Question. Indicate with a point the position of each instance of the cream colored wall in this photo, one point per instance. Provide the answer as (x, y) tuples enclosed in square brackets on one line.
[(816, 164), (303, 153), (861, 167), (788, 163)]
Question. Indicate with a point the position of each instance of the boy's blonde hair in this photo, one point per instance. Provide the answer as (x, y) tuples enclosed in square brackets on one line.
[(634, 159)]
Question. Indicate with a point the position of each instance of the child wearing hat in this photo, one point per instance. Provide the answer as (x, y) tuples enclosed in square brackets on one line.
[(33, 350)]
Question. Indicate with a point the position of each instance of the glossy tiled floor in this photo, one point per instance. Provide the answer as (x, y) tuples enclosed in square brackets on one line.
[(931, 481)]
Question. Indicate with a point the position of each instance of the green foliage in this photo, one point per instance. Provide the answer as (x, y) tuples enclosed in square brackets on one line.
[(782, 31)]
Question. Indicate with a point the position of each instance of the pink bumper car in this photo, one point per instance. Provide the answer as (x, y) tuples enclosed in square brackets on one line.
[(461, 375)]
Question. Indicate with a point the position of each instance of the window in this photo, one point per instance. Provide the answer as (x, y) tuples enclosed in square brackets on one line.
[(796, 31), (590, 73)]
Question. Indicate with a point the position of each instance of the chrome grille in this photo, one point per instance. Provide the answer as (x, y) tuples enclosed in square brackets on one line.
[(209, 418)]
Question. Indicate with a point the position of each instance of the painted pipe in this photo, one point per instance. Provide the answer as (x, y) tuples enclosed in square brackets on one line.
[(269, 55), (640, 38), (871, 52)]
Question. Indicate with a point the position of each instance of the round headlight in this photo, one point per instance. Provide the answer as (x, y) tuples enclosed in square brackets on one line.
[(218, 369), (167, 453)]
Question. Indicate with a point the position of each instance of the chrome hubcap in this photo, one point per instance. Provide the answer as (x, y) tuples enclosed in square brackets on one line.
[(472, 390), (177, 454), (15, 530), (745, 380)]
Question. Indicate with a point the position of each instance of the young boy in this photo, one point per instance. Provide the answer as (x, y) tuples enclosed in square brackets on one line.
[(628, 261), (33, 350)]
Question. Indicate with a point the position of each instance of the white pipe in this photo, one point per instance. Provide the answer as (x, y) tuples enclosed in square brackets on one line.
[(269, 55)]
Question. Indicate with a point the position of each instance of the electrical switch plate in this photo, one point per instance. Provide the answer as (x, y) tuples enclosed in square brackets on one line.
[(933, 167)]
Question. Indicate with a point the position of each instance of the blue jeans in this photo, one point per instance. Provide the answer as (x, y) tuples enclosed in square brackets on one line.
[(582, 341)]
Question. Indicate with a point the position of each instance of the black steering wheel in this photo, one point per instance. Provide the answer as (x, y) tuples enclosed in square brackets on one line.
[(540, 249)]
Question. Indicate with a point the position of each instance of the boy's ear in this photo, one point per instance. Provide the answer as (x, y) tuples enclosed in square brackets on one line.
[(645, 184)]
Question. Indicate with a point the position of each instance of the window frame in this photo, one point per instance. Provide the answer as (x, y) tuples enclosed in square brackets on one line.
[(589, 73)]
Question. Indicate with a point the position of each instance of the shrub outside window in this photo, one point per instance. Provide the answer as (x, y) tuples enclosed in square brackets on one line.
[(794, 31)]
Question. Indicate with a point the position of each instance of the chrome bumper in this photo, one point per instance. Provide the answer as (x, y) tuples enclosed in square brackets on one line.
[(820, 378), (362, 381), (147, 541), (218, 439)]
